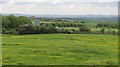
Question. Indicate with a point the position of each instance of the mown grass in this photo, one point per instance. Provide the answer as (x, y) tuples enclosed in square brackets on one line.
[(60, 49)]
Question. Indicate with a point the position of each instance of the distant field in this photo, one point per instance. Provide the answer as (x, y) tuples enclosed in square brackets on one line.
[(92, 29), (52, 49), (89, 23)]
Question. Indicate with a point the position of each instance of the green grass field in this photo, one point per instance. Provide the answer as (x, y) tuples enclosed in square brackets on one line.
[(60, 49), (92, 29)]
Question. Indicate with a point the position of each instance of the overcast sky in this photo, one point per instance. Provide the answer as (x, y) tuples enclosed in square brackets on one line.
[(64, 7)]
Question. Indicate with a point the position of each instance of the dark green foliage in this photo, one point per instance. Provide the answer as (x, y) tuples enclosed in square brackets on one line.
[(27, 29), (82, 21), (84, 29), (4, 30), (62, 24), (106, 25), (49, 29), (11, 23), (102, 31), (5, 22), (22, 25)]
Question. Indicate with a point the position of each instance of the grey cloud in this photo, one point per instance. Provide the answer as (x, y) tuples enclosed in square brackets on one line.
[(113, 4), (3, 1), (63, 7), (37, 3)]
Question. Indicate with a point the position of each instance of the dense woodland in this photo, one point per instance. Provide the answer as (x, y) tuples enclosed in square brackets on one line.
[(23, 25)]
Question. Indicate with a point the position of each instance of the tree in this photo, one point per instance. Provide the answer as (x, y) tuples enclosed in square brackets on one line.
[(27, 29), (24, 20), (102, 31), (5, 22), (82, 21), (84, 29), (13, 22)]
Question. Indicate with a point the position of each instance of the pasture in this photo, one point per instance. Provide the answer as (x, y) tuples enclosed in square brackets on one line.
[(60, 49)]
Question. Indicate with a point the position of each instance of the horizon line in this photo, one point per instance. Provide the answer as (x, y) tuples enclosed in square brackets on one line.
[(54, 14)]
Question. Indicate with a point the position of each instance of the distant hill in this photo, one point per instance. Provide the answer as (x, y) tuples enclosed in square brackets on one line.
[(108, 18)]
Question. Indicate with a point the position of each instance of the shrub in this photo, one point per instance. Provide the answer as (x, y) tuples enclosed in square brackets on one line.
[(102, 31), (27, 29), (84, 29)]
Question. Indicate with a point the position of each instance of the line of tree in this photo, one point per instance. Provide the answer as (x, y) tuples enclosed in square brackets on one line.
[(62, 24), (42, 29), (11, 23), (106, 25), (22, 25)]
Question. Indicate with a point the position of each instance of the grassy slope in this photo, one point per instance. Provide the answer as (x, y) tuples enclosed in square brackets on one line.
[(47, 49)]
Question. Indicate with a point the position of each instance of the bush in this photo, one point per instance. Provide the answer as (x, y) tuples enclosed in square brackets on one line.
[(111, 32), (50, 29), (13, 31), (84, 29), (27, 29), (5, 31), (9, 31), (102, 31), (106, 25)]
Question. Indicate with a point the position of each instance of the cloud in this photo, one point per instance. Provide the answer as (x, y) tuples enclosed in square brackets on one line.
[(74, 7)]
